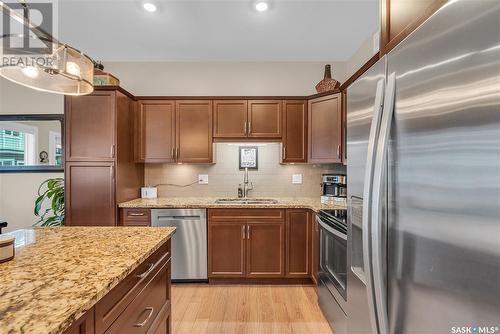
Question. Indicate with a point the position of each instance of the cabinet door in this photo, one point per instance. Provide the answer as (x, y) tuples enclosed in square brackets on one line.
[(264, 118), (294, 131), (230, 118), (315, 250), (90, 194), (298, 243), (90, 127), (400, 17), (194, 131), (325, 132), (155, 131), (265, 249), (226, 249), (84, 325)]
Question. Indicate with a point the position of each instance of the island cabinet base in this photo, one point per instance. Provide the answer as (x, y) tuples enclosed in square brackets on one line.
[(140, 303)]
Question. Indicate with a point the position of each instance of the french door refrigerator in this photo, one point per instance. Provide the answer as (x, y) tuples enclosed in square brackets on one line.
[(423, 145)]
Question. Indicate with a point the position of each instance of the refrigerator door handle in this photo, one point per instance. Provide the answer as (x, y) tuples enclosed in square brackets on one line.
[(378, 267), (367, 194)]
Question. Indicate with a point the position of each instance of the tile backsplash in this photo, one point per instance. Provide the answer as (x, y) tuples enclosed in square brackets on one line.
[(272, 179)]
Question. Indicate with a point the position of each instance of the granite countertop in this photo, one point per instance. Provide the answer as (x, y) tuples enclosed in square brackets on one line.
[(60, 273), (209, 202)]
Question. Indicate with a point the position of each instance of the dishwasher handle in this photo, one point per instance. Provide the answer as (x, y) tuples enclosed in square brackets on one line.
[(178, 217)]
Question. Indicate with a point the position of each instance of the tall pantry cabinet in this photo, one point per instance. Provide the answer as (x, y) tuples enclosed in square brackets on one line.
[(99, 157)]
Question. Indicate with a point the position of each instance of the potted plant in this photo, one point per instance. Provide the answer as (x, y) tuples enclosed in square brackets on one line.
[(51, 190)]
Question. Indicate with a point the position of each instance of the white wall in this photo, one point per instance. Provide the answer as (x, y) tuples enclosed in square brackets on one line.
[(361, 56), (221, 79), (18, 191)]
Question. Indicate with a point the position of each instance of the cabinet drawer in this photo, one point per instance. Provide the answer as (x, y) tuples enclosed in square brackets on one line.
[(145, 308), (109, 308), (246, 214), (135, 217)]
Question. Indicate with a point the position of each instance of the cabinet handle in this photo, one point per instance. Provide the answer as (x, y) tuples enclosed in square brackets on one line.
[(243, 231), (136, 214), (284, 152), (338, 151), (246, 132), (248, 232), (144, 274), (249, 127), (172, 154), (141, 324)]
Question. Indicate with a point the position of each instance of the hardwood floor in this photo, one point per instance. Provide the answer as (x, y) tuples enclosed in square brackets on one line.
[(246, 309)]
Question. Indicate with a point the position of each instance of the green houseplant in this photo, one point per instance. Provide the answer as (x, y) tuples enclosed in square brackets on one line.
[(51, 190)]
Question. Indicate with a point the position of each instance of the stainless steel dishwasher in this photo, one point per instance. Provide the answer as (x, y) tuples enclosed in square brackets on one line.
[(189, 243)]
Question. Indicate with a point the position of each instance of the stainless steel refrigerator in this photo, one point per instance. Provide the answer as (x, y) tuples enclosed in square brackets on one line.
[(423, 145)]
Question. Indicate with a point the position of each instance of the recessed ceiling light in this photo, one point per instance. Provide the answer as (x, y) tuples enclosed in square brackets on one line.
[(149, 7), (261, 6)]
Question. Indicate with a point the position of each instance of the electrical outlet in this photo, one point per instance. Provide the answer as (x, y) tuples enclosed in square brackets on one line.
[(297, 178), (202, 179)]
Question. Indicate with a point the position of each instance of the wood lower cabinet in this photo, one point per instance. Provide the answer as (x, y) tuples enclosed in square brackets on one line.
[(90, 127), (400, 17), (226, 249), (140, 303), (298, 243), (294, 142), (90, 194), (259, 243), (135, 217), (325, 129), (230, 119), (194, 131), (155, 131), (264, 118), (265, 249)]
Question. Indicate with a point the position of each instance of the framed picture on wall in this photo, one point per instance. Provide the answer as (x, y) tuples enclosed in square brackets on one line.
[(249, 157)]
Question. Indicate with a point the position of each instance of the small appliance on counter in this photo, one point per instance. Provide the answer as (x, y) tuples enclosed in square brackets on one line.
[(149, 192), (333, 189)]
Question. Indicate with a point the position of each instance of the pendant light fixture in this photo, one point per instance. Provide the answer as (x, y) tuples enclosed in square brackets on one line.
[(63, 70)]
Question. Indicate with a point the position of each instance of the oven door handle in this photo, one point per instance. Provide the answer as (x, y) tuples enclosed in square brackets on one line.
[(331, 230)]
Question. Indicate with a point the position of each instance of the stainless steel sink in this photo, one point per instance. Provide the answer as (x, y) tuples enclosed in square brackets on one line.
[(246, 201)]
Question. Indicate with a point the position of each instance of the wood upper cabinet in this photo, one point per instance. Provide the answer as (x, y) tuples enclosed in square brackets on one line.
[(90, 127), (194, 131), (230, 118), (155, 131), (226, 249), (264, 118), (294, 147), (90, 194), (400, 17), (298, 243), (265, 249), (325, 129)]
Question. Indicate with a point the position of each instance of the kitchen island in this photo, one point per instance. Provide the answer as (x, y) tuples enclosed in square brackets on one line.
[(86, 280)]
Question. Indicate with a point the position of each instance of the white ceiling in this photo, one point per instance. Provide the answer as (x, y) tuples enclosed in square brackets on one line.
[(207, 30)]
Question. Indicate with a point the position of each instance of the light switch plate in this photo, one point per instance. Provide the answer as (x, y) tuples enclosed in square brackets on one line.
[(297, 178), (202, 179)]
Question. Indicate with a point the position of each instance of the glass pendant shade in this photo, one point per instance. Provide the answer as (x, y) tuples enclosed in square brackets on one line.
[(43, 63), (65, 71)]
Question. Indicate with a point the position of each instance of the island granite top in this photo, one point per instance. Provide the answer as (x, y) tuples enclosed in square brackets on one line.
[(60, 273)]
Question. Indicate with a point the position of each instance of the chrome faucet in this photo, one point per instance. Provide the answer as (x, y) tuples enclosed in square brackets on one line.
[(243, 191)]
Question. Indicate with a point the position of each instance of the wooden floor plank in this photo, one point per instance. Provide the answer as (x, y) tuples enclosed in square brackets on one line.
[(246, 309)]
